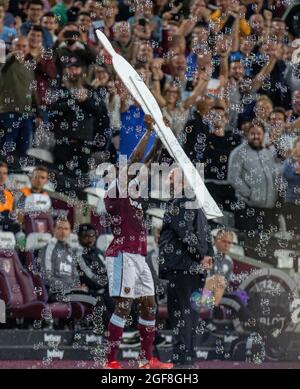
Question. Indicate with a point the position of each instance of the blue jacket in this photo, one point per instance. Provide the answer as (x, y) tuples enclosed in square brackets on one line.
[(293, 181)]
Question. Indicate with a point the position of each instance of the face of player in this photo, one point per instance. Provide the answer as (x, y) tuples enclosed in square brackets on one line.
[(39, 180), (3, 175), (62, 231), (224, 242), (88, 239)]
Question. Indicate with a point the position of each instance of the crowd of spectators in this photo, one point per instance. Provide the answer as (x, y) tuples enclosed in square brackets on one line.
[(220, 70)]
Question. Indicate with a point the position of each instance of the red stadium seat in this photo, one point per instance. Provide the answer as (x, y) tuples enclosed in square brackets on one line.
[(38, 222)]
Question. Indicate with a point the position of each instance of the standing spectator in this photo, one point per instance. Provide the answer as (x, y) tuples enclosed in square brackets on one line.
[(219, 145), (45, 69), (80, 121), (50, 23), (7, 34), (291, 173), (252, 172), (18, 103), (70, 45), (34, 17), (185, 255), (60, 10)]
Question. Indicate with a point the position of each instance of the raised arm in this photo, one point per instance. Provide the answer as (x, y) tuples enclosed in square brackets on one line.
[(139, 151)]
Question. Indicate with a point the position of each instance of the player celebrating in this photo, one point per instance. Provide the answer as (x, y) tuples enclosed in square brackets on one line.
[(128, 273)]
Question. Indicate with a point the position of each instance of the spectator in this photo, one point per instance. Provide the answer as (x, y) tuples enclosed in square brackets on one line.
[(18, 105), (7, 34), (291, 173), (219, 145), (34, 16), (84, 22), (50, 23), (252, 172), (221, 273), (60, 10), (58, 264), (91, 264), (7, 221), (80, 128), (123, 41), (45, 69), (281, 139), (70, 45), (35, 197)]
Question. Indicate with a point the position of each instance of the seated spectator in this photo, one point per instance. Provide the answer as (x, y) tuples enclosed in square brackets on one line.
[(58, 262), (92, 270), (34, 16), (291, 173), (220, 274), (7, 222), (91, 265), (35, 198)]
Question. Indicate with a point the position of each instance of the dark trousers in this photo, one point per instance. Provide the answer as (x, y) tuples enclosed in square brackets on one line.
[(18, 129), (183, 318), (223, 194), (291, 212), (253, 221)]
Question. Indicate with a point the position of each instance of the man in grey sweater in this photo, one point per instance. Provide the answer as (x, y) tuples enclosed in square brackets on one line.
[(253, 173), (58, 263)]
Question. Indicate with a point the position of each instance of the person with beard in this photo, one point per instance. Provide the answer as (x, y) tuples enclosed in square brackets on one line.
[(79, 121), (92, 270), (252, 171)]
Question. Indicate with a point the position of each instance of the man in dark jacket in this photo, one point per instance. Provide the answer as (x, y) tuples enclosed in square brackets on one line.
[(185, 253), (92, 270), (80, 122)]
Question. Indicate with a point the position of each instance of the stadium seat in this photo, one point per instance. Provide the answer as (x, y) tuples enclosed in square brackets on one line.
[(73, 241), (18, 290), (34, 242), (18, 181), (41, 154), (38, 222)]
